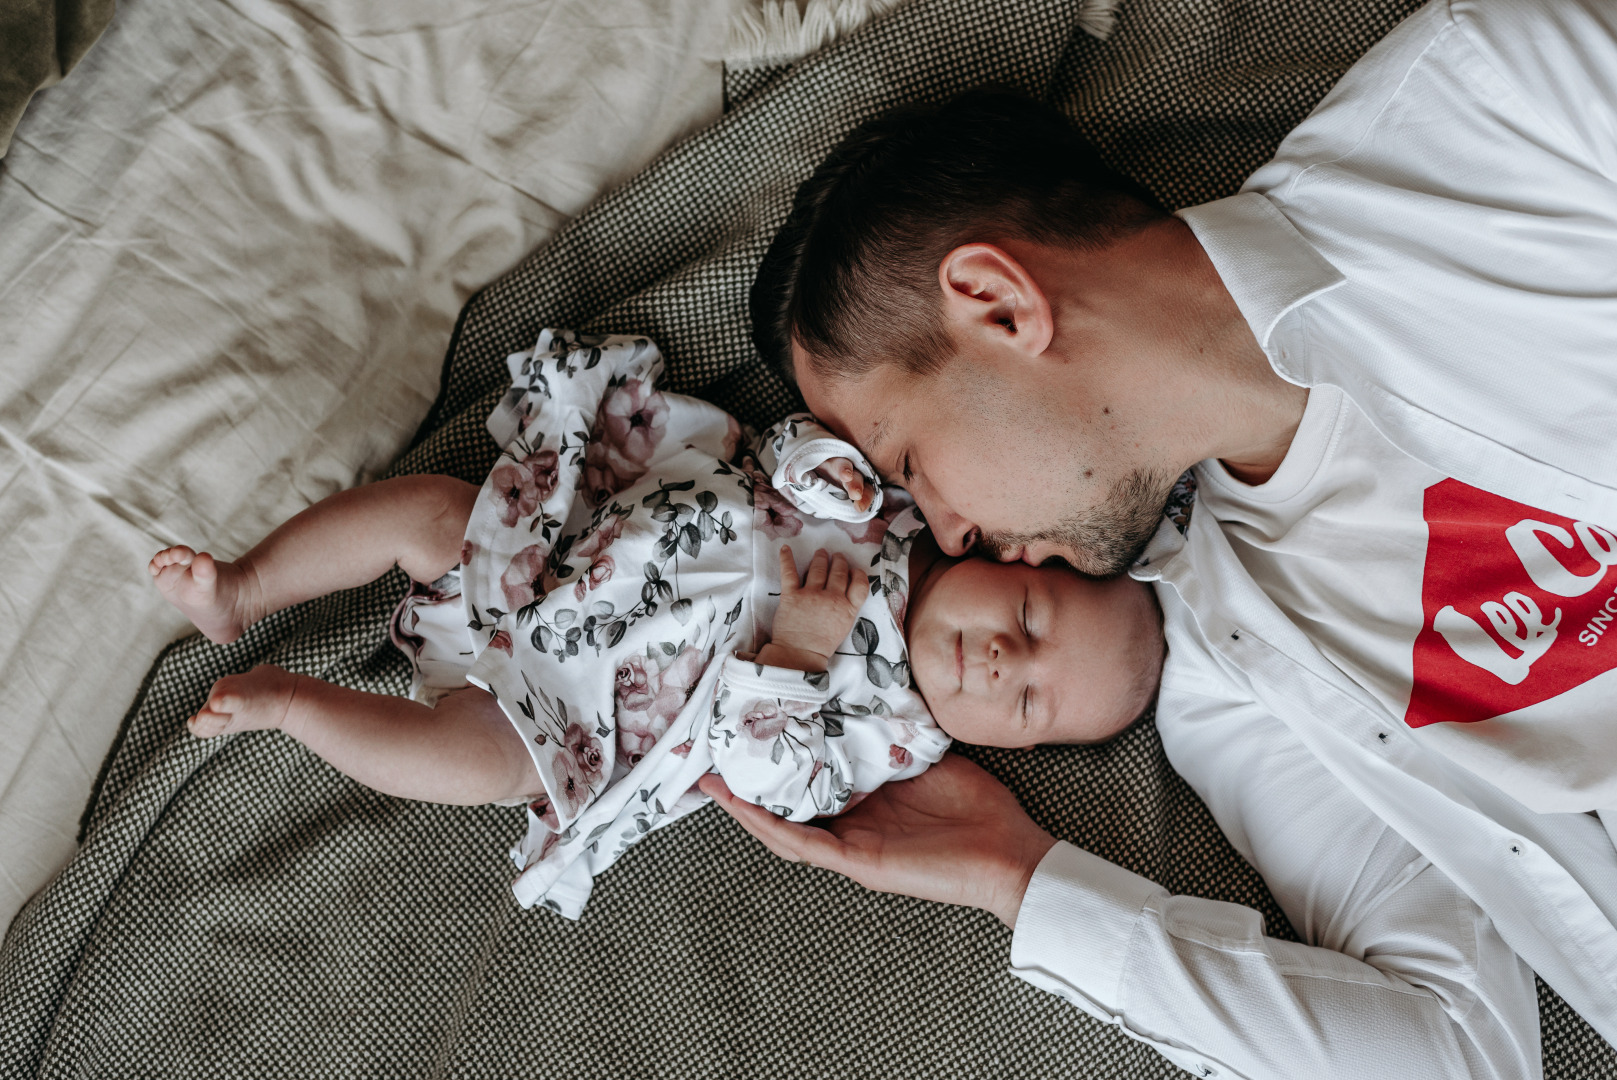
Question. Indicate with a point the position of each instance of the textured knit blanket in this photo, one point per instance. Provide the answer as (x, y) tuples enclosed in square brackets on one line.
[(240, 909)]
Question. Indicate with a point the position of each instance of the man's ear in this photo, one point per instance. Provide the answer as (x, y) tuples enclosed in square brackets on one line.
[(990, 297)]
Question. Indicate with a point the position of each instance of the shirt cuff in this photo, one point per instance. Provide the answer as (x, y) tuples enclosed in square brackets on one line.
[(1076, 922)]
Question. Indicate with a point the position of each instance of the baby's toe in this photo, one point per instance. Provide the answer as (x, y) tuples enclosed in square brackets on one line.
[(169, 577), (209, 722), (203, 569), (178, 555), (227, 696), (225, 702)]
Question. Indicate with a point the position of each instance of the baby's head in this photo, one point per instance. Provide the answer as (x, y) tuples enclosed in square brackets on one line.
[(1008, 654)]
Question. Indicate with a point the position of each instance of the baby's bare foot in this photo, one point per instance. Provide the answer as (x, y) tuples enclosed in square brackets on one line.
[(255, 701), (212, 593)]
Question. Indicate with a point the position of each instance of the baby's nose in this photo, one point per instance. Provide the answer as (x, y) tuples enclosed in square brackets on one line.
[(1003, 656)]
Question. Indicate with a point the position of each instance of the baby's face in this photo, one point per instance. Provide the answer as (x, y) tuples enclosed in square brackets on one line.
[(1008, 654)]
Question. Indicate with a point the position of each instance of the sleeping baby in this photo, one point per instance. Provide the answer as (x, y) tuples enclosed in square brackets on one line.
[(632, 600)]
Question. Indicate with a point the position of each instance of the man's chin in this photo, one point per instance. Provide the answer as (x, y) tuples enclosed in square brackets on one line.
[(1101, 542)]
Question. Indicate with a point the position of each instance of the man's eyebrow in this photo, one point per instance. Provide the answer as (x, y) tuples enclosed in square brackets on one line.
[(878, 433)]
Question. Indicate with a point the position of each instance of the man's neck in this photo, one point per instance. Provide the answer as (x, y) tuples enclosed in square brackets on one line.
[(1249, 413), (1258, 465), (1152, 339)]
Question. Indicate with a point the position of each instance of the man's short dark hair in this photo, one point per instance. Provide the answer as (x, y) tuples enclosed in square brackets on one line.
[(852, 275)]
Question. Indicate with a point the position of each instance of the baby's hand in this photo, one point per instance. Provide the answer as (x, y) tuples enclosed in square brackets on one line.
[(840, 471), (815, 616)]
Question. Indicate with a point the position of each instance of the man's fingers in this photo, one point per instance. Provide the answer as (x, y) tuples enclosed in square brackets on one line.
[(788, 570), (788, 839)]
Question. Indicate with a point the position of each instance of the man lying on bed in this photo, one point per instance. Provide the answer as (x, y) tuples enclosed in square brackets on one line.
[(1389, 675)]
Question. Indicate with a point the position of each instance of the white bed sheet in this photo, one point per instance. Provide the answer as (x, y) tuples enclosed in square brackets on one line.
[(232, 248)]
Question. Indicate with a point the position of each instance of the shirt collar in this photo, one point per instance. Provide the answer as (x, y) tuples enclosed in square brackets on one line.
[(1263, 260), (1163, 547)]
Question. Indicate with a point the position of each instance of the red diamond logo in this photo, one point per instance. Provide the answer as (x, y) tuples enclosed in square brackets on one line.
[(1520, 606)]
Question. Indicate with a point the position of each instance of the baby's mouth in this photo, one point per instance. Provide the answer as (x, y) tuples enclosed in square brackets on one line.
[(960, 660)]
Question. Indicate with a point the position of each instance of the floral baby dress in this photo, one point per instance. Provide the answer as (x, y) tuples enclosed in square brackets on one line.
[(619, 569)]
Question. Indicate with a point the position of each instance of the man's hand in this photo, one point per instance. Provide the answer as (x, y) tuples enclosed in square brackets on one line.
[(953, 834), (816, 614)]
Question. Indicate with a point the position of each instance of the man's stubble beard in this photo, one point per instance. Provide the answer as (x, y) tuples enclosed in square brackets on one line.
[(1104, 540)]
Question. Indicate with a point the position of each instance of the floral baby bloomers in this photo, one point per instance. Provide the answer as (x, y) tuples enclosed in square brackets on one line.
[(620, 567)]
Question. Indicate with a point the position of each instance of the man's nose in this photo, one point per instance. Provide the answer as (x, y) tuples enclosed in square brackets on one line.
[(954, 534)]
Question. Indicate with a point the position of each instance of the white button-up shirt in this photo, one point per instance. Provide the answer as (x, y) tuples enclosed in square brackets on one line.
[(1439, 240)]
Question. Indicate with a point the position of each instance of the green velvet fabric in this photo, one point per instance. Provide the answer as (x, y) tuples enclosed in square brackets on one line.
[(40, 42)]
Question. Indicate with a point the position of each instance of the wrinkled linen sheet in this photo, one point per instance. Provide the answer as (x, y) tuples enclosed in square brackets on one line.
[(232, 247)]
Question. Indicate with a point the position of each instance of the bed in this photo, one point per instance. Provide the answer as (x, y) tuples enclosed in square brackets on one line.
[(237, 907), (235, 243)]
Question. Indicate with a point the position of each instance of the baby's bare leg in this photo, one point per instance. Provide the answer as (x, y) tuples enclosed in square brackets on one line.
[(349, 539), (463, 752)]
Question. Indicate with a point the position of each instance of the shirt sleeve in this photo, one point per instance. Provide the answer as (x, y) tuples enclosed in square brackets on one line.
[(1400, 973), (790, 452), (1560, 58)]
